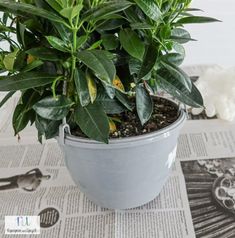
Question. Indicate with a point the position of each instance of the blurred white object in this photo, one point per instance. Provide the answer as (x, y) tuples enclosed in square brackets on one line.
[(217, 86)]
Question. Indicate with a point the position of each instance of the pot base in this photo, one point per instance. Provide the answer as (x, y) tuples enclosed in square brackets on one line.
[(122, 203)]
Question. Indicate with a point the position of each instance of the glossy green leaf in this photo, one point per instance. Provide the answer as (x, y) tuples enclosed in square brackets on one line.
[(99, 63), (111, 24), (132, 15), (82, 87), (122, 98), (20, 118), (55, 5), (53, 109), (110, 90), (57, 43), (149, 60), (30, 9), (109, 17), (105, 10), (21, 33), (63, 3), (44, 54), (174, 88), (140, 26), (24, 81), (178, 48), (150, 8), (174, 58), (178, 74), (20, 61), (111, 106), (32, 24), (196, 19), (193, 10), (132, 43), (144, 104), (134, 66), (29, 98), (40, 4), (23, 112), (109, 41), (95, 45), (81, 41), (63, 31), (47, 128), (93, 121), (181, 35), (165, 31), (5, 17), (33, 65)]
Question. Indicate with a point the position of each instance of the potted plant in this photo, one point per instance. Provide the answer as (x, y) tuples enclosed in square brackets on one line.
[(90, 73)]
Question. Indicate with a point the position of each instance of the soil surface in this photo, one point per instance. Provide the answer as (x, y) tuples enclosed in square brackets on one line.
[(164, 114), (128, 124)]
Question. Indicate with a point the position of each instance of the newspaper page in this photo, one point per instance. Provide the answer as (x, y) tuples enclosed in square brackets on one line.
[(65, 211), (197, 200)]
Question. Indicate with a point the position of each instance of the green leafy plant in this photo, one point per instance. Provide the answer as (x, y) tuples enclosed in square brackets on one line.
[(83, 60)]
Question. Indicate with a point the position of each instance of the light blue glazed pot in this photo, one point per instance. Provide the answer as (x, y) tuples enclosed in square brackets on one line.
[(127, 172)]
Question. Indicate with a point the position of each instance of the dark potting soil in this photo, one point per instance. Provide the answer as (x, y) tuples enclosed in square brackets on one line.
[(164, 114), (128, 124)]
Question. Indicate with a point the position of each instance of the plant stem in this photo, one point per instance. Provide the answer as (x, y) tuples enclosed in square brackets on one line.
[(73, 52), (53, 87), (74, 46)]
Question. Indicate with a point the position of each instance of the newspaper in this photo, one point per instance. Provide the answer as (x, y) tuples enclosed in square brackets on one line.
[(187, 207)]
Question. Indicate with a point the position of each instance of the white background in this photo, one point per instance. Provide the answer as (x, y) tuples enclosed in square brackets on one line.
[(216, 41)]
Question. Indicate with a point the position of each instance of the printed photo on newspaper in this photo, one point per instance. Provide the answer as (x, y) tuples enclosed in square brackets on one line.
[(210, 188)]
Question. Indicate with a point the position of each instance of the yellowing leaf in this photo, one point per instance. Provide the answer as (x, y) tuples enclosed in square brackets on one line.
[(91, 87), (9, 60), (117, 83), (116, 119), (112, 126), (30, 59)]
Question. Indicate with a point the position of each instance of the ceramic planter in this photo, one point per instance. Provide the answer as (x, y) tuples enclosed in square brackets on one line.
[(127, 172)]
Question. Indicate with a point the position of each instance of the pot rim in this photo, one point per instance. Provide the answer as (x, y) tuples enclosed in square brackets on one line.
[(128, 141)]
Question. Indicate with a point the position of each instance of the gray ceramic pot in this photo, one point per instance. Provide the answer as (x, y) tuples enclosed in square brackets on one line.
[(127, 172)]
